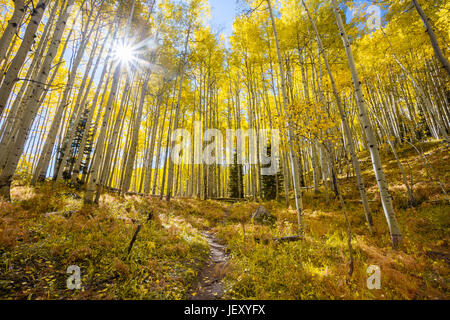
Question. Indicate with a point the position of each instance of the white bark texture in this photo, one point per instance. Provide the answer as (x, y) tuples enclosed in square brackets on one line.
[(346, 128), (11, 28), (386, 198), (11, 75), (35, 91), (292, 154)]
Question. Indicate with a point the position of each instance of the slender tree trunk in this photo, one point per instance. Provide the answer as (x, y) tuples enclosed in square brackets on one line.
[(94, 183), (134, 138), (346, 128), (11, 28), (429, 29), (57, 119), (85, 138), (34, 97), (386, 198), (16, 109), (11, 75), (177, 113), (293, 156)]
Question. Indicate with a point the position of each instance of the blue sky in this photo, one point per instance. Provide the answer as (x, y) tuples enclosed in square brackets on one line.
[(222, 15)]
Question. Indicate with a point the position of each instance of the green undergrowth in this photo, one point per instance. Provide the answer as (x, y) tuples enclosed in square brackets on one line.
[(36, 250), (316, 267)]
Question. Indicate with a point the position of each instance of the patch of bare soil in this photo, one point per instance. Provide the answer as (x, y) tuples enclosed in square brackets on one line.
[(209, 285)]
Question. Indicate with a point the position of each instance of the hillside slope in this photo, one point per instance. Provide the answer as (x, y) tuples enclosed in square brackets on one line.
[(47, 229)]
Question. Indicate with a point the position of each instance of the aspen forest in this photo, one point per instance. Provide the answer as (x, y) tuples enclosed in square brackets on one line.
[(180, 150)]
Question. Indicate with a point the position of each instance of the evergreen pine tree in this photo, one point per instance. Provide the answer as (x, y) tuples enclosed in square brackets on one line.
[(236, 180), (270, 182)]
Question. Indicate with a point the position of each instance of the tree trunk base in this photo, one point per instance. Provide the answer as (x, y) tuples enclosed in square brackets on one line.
[(5, 191)]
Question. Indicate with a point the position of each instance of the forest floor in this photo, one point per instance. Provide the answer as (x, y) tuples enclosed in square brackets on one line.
[(210, 284), (195, 249)]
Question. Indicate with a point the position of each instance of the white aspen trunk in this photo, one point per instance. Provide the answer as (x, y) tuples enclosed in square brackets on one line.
[(78, 108), (34, 97), (411, 200), (315, 165), (114, 137), (16, 109), (128, 141), (283, 157), (11, 75), (11, 28), (324, 172), (434, 43), (158, 153), (96, 176), (84, 139), (16, 125), (166, 154), (241, 191), (149, 165), (44, 160), (134, 139), (425, 98), (293, 156), (93, 182), (346, 128), (177, 113), (386, 199)]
